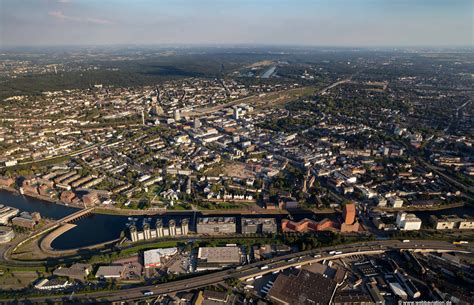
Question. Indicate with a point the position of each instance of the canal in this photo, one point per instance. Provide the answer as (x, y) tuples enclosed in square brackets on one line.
[(99, 228)]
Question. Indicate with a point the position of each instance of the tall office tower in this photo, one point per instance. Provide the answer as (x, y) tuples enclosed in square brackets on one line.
[(177, 115), (236, 113)]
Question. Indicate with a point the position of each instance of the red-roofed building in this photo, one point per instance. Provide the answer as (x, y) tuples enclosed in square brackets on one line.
[(349, 213)]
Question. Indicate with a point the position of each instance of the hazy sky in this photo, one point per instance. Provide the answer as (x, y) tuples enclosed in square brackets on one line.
[(297, 22)]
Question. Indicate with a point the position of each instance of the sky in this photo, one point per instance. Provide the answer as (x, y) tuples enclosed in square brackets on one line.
[(257, 22)]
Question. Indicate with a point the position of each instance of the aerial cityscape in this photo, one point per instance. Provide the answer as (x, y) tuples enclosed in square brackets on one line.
[(196, 165)]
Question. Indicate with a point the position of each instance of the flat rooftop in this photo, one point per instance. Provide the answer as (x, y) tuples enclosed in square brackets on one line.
[(220, 254), (214, 220), (154, 256)]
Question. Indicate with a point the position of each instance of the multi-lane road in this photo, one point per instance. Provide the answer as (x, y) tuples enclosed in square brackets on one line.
[(252, 270)]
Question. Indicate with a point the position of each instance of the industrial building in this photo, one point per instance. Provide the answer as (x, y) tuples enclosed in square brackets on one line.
[(160, 231), (156, 257), (110, 272), (304, 288), (259, 225), (77, 271), (216, 225), (352, 297), (213, 258)]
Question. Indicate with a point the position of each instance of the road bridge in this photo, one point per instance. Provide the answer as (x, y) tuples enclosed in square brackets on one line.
[(51, 226), (76, 216)]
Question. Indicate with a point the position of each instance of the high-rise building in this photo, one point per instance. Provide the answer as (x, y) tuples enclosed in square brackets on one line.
[(177, 115), (349, 213), (237, 111), (197, 123)]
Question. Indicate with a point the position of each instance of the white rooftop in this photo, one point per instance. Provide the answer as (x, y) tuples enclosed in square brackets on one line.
[(154, 256)]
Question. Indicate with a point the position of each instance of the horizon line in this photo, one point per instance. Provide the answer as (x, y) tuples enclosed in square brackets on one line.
[(237, 45)]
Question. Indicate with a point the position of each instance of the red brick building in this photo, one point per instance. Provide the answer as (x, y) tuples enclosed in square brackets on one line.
[(5, 181), (67, 196), (349, 213)]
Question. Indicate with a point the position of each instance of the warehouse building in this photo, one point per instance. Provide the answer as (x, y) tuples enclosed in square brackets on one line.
[(213, 258), (110, 272), (304, 288)]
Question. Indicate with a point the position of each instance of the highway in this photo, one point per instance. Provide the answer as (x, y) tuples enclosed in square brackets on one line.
[(252, 270)]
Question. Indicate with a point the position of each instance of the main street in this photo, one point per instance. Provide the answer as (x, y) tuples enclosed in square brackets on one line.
[(254, 269)]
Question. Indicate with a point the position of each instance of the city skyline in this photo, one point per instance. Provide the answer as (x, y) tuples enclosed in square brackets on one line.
[(309, 23)]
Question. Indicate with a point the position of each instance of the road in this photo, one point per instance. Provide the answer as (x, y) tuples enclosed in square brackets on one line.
[(456, 117), (251, 270), (325, 89)]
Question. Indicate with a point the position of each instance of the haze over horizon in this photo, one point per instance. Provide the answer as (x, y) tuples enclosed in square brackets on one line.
[(279, 22)]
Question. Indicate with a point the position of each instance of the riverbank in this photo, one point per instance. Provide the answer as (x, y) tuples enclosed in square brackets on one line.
[(37, 196), (421, 209), (111, 210), (256, 211)]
